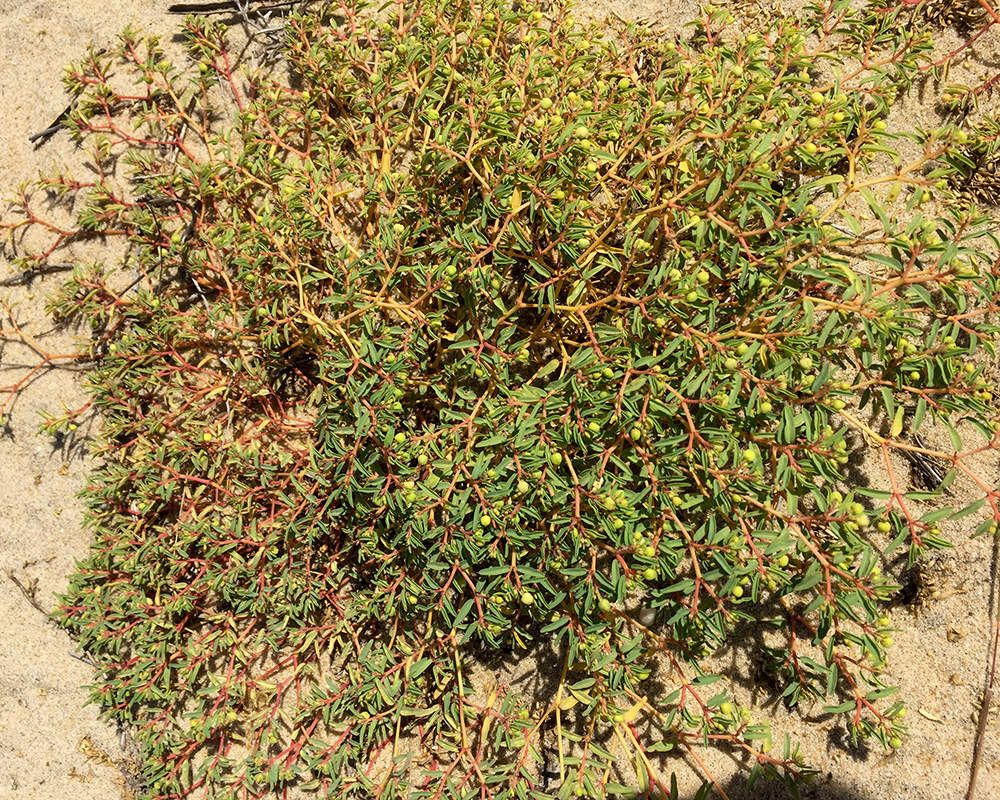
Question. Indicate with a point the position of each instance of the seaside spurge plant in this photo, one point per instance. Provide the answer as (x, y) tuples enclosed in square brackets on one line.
[(485, 337)]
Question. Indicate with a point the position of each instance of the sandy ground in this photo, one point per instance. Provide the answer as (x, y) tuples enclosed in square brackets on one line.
[(53, 747)]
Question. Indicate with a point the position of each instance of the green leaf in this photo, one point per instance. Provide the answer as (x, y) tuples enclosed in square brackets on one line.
[(948, 480), (713, 190), (894, 264), (462, 612), (786, 429), (418, 667), (813, 576), (852, 223), (918, 414), (876, 207), (956, 440), (641, 774), (819, 183), (548, 369), (969, 509), (895, 543), (937, 515), (619, 790), (878, 694), (408, 711), (877, 494), (887, 401)]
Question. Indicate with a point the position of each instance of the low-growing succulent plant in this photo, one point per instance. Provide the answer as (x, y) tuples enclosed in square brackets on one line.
[(481, 331)]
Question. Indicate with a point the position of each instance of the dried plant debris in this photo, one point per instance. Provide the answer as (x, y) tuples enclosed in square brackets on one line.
[(926, 584), (976, 176), (983, 185), (756, 15), (927, 472), (963, 15)]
